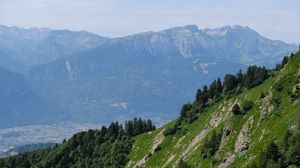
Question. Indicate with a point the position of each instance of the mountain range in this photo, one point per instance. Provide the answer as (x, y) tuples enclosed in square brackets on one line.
[(42, 45), (90, 78)]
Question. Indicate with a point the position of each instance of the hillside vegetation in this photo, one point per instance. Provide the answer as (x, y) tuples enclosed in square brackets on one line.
[(107, 147), (250, 126), (250, 119)]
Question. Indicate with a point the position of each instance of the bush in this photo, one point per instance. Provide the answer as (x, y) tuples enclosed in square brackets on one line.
[(211, 145), (191, 116), (276, 101), (158, 148), (236, 109), (262, 95), (170, 131), (247, 105), (148, 155), (183, 164), (271, 157)]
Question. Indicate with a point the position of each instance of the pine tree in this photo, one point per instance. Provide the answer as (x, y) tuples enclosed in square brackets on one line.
[(240, 77), (219, 86), (183, 112), (150, 125), (285, 60), (230, 83), (212, 90), (205, 95), (198, 96)]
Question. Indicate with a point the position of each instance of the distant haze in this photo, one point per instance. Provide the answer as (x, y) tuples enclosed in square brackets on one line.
[(272, 18)]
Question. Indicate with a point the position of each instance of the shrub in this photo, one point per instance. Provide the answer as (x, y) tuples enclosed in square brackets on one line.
[(149, 155), (191, 116), (211, 145), (262, 95), (158, 148), (276, 101), (170, 131), (236, 109), (183, 164), (247, 105), (271, 157)]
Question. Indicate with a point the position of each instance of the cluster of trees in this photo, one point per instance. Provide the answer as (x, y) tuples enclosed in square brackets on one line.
[(211, 145), (107, 147), (284, 61), (137, 126), (231, 83), (218, 90), (288, 156), (214, 91)]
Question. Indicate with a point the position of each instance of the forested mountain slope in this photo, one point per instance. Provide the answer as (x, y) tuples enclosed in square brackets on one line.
[(250, 119)]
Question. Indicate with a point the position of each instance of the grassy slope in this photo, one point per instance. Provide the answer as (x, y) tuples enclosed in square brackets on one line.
[(260, 132)]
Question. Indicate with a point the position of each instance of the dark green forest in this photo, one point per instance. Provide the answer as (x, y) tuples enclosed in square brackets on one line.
[(107, 147)]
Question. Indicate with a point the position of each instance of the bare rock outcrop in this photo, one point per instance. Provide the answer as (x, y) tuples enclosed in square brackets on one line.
[(266, 108), (157, 141), (229, 158), (243, 140)]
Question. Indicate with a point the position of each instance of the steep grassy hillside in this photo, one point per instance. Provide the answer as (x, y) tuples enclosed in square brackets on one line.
[(275, 109)]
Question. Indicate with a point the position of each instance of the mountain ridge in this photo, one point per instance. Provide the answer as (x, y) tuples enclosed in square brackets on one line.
[(110, 80), (151, 65), (41, 45)]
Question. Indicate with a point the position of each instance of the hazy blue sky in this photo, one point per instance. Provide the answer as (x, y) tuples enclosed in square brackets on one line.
[(276, 19)]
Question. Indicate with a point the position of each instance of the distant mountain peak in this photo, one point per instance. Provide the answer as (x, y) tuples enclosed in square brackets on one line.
[(223, 31), (189, 28), (193, 28), (31, 46)]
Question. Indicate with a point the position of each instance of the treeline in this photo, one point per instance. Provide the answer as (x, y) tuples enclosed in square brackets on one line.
[(107, 147), (232, 84), (138, 126), (218, 89)]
